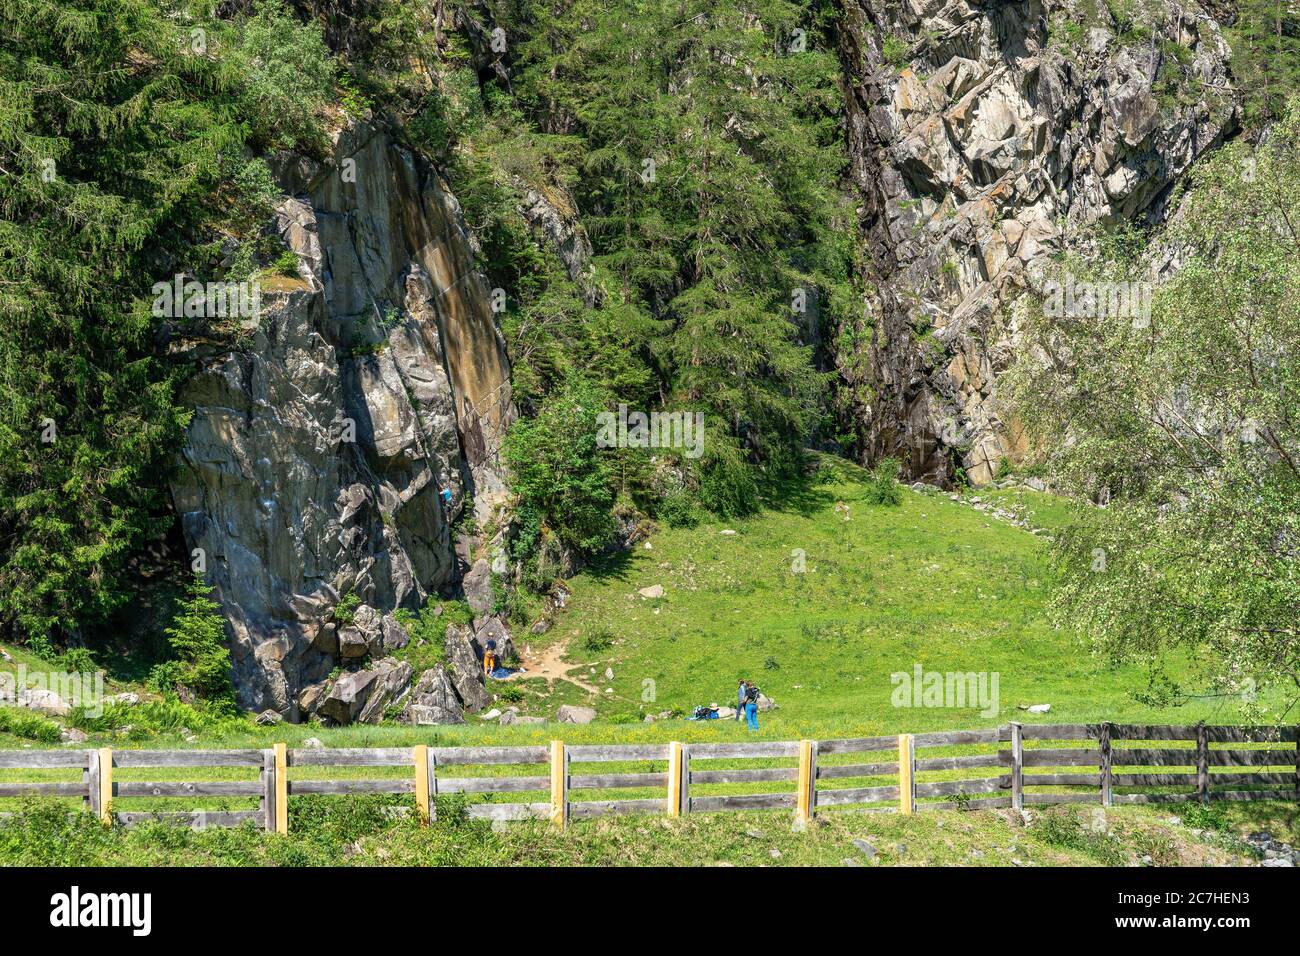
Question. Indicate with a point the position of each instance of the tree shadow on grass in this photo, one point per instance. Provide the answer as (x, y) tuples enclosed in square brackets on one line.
[(614, 566)]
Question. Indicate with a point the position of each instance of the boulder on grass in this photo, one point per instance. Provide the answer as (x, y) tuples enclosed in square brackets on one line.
[(465, 670), (44, 702), (392, 681), (433, 700), (346, 697), (571, 714)]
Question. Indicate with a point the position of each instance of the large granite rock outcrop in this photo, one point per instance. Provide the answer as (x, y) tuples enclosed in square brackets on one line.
[(320, 442), (1013, 129)]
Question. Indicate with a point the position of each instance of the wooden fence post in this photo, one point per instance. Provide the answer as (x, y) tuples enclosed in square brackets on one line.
[(433, 787), (815, 749), (559, 784), (1202, 763), (1017, 767), (1103, 739), (91, 777), (268, 790), (420, 756), (686, 779), (106, 785), (674, 779), (281, 788), (802, 797), (906, 775)]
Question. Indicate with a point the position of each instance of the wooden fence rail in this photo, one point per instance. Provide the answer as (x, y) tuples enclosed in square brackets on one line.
[(1013, 766)]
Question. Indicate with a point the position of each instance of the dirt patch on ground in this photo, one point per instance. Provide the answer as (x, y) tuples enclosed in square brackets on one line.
[(550, 665)]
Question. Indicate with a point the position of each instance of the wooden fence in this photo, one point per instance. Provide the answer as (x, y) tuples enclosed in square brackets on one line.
[(1014, 766)]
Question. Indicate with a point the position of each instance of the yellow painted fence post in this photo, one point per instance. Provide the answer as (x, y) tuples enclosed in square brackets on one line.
[(106, 785), (906, 783), (281, 788), (675, 779), (559, 784), (421, 756), (803, 797)]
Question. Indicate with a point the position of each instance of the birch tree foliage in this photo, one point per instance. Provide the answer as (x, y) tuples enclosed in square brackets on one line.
[(1185, 429)]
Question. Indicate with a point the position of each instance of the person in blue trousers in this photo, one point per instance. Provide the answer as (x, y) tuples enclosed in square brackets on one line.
[(740, 700), (751, 705)]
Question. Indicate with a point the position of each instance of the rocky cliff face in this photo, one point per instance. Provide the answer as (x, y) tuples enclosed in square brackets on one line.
[(1013, 128), (320, 443)]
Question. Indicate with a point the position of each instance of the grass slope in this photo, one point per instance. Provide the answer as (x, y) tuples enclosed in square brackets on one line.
[(933, 582), (357, 832)]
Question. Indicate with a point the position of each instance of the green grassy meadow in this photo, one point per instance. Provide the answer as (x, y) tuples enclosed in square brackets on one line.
[(819, 599)]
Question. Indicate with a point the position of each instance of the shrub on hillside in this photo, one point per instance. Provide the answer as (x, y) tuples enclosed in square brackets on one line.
[(201, 662), (882, 486), (23, 723)]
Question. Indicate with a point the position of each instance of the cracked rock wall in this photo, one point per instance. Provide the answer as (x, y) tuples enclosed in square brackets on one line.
[(1013, 128), (320, 443)]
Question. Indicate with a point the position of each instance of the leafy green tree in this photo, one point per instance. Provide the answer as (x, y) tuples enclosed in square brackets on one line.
[(560, 476), (1185, 427), (197, 637), (283, 75), (123, 162), (1265, 39)]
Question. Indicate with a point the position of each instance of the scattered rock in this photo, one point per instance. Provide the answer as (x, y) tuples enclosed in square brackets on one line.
[(71, 735), (867, 849), (726, 713), (766, 703), (433, 700), (313, 743), (1037, 708), (362, 696), (268, 718), (727, 531), (609, 673), (774, 853), (310, 698), (514, 717), (370, 624), (540, 626), (326, 639), (571, 714), (477, 585), (653, 591), (352, 644), (43, 701), (395, 636), (850, 861), (465, 671), (492, 714)]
